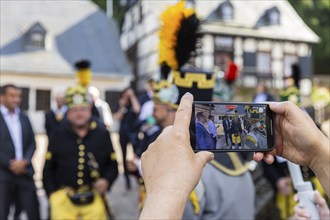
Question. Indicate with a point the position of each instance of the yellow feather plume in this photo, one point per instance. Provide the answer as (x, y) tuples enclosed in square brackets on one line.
[(171, 22), (84, 76)]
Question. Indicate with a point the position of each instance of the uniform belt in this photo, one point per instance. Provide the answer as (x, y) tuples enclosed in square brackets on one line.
[(82, 196)]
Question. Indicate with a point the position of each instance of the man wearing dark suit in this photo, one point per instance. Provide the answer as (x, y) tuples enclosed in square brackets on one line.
[(203, 138), (17, 146), (226, 129)]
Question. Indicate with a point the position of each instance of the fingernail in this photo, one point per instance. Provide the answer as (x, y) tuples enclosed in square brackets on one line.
[(187, 93), (273, 104), (211, 156)]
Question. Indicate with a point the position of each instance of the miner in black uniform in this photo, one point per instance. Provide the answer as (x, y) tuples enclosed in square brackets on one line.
[(80, 163)]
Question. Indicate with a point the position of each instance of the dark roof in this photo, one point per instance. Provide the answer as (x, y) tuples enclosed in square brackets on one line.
[(75, 30)]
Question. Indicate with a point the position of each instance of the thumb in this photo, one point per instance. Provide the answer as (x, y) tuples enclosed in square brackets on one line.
[(205, 156), (278, 107), (287, 108)]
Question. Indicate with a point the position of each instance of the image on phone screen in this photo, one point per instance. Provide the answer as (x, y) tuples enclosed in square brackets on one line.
[(231, 127)]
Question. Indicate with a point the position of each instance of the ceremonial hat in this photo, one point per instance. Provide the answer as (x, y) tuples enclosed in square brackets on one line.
[(166, 93), (84, 74), (77, 96), (253, 112), (197, 82)]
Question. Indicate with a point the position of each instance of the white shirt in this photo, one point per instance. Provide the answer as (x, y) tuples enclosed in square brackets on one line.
[(262, 97), (211, 127), (147, 110), (15, 129)]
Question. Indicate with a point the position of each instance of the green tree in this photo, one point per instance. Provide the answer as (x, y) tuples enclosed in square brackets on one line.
[(316, 14), (118, 10)]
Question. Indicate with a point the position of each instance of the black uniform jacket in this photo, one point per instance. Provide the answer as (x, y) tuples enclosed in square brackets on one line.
[(68, 158)]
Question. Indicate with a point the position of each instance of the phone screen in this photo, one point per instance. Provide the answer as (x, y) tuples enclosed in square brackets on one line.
[(231, 127)]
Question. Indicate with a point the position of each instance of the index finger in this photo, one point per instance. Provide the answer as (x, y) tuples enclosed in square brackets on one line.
[(183, 114)]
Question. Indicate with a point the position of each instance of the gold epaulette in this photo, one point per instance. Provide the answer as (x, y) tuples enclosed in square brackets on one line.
[(238, 167)]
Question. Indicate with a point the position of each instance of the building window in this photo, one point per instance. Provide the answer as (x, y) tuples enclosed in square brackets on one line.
[(43, 100), (25, 99), (249, 63), (35, 37), (226, 11), (224, 47), (37, 40), (274, 17), (224, 43), (263, 63), (270, 17), (289, 60), (112, 97)]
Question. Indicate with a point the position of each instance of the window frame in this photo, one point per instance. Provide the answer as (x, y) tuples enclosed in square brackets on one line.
[(43, 99)]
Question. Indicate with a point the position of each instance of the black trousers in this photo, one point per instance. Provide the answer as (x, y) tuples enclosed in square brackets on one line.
[(22, 190), (228, 135), (124, 139)]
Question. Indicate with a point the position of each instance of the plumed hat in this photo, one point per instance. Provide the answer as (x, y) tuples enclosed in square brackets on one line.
[(77, 96), (166, 93)]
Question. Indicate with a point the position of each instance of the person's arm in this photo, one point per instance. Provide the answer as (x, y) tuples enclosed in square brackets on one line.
[(134, 101), (48, 178), (111, 169), (200, 138), (321, 162), (31, 142), (299, 140), (47, 123), (170, 168), (24, 166), (121, 109)]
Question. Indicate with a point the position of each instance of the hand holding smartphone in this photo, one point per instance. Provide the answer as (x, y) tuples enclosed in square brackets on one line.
[(225, 127)]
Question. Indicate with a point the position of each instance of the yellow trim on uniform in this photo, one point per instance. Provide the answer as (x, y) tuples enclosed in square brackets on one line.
[(190, 78), (285, 204), (95, 174), (236, 139), (194, 201), (93, 125), (62, 208), (235, 160), (113, 156), (142, 194), (81, 147), (49, 155), (238, 170), (161, 84), (249, 138)]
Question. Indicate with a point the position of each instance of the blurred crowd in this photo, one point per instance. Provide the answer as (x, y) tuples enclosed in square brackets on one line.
[(81, 164)]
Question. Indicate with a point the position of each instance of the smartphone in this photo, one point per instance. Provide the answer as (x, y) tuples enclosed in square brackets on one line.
[(226, 127)]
